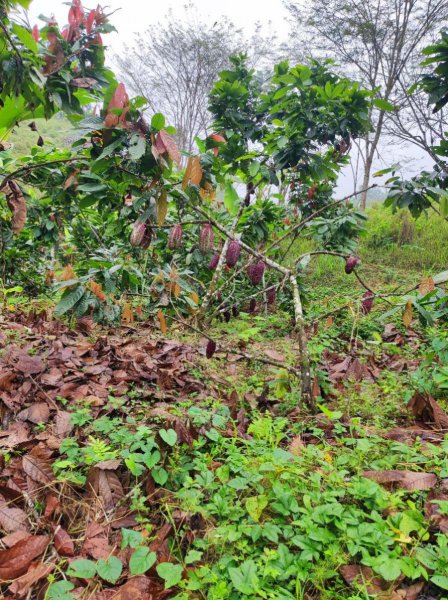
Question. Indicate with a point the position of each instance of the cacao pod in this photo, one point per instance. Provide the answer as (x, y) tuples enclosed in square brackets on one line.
[(147, 237), (226, 315), (219, 297), (213, 262), (138, 232), (235, 311), (210, 349), (206, 238), (252, 305), (270, 295), (255, 272), (367, 302), (233, 252), (351, 263), (175, 237)]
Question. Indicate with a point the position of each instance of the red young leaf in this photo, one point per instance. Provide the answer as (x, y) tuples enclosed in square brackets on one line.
[(165, 143)]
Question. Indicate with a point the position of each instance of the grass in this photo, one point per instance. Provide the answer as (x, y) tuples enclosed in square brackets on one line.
[(55, 131), (398, 241)]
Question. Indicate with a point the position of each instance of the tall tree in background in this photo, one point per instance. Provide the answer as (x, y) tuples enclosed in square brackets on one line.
[(375, 40), (174, 64)]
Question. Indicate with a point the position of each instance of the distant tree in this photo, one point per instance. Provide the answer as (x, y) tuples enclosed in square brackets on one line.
[(174, 64), (378, 41)]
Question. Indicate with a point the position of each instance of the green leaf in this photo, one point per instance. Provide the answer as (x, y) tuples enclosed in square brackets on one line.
[(91, 187), (254, 168), (168, 436), (440, 581), (110, 569), (60, 591), (68, 300), (25, 37), (142, 560), (255, 506), (244, 578), (231, 199), (158, 121), (82, 568), (160, 476), (192, 557), (390, 569), (137, 147), (384, 104), (444, 204), (170, 573), (131, 538)]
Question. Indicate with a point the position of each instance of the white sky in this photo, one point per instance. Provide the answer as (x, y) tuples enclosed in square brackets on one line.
[(136, 15)]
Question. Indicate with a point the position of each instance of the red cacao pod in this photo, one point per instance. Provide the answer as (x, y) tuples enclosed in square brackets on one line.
[(138, 232), (367, 302), (271, 295), (233, 252), (210, 349), (252, 305), (255, 272), (235, 311), (175, 237), (206, 238), (351, 263), (213, 262), (226, 315)]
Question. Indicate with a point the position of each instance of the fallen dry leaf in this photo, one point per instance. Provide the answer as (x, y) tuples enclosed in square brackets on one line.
[(37, 571), (426, 408), (357, 574), (63, 542), (15, 561), (409, 480)]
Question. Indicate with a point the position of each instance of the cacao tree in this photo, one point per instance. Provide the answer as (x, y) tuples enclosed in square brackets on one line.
[(199, 242)]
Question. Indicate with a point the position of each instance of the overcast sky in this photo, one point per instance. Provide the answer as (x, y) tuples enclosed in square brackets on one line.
[(136, 15)]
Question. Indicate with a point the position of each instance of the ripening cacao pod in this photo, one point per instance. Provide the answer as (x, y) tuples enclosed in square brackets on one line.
[(235, 311), (252, 305), (219, 297), (147, 237), (226, 315), (233, 252), (367, 302), (350, 264), (138, 233), (213, 262), (206, 238), (255, 272), (270, 295), (40, 141), (175, 237), (210, 349)]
